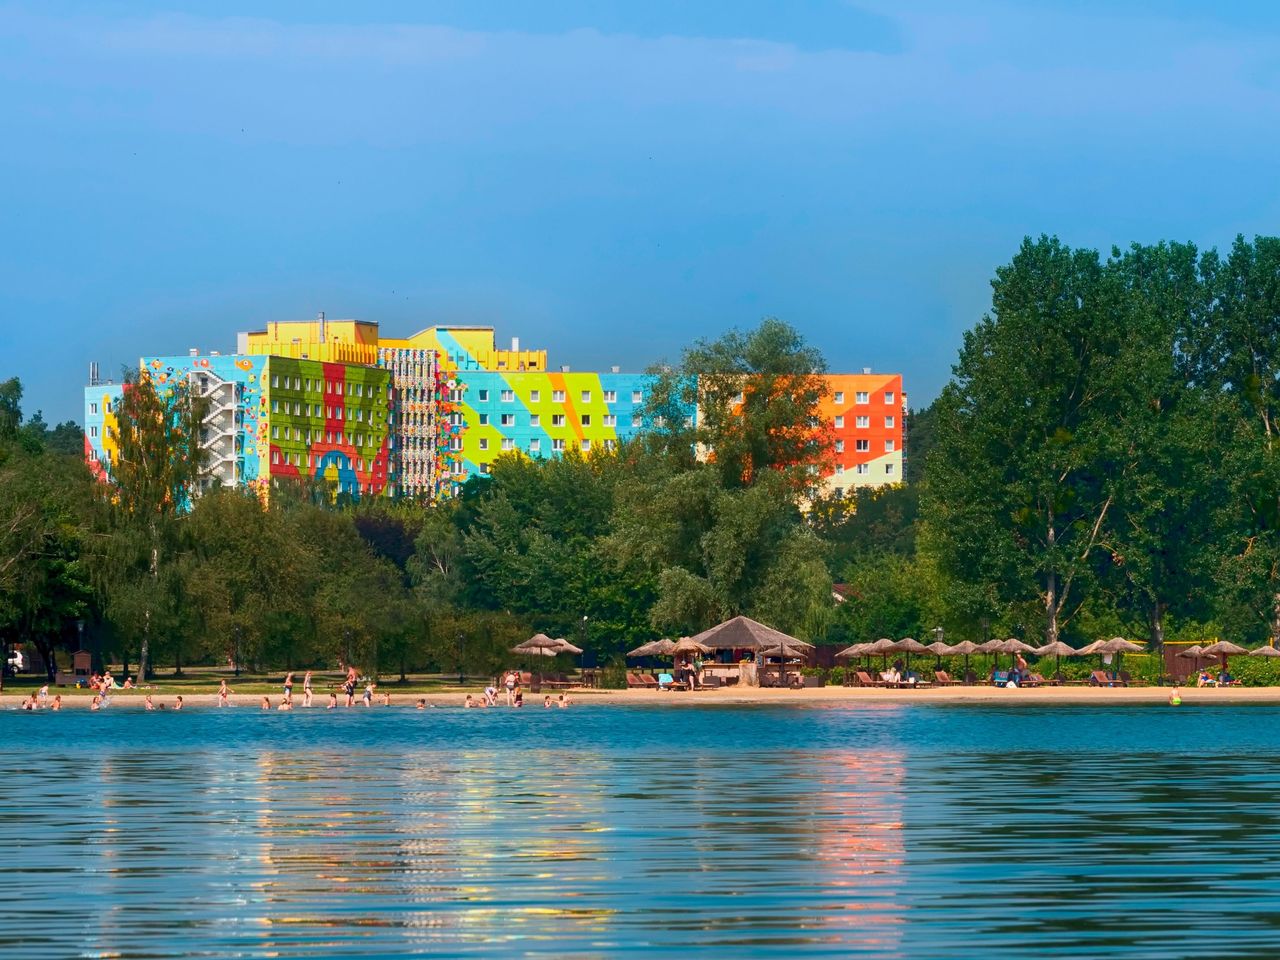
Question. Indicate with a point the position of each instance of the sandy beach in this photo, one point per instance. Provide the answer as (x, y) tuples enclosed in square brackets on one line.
[(1024, 697)]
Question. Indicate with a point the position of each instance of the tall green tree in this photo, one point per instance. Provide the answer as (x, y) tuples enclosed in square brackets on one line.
[(154, 477), (1016, 485)]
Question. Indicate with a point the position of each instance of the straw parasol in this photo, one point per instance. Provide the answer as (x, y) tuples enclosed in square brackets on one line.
[(964, 649), (654, 648), (1059, 650), (910, 645), (857, 650), (940, 650), (1223, 649), (1193, 652), (1266, 650), (689, 645), (539, 645), (567, 647), (1119, 645)]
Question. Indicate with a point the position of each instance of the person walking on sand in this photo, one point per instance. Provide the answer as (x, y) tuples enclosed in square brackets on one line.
[(288, 685), (223, 693), (306, 689)]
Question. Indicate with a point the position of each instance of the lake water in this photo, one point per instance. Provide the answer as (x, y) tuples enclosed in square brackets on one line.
[(867, 831)]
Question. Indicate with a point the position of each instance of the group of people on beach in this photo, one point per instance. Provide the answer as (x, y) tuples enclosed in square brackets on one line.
[(515, 695)]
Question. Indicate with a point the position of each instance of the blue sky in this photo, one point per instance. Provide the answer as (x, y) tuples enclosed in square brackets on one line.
[(607, 180)]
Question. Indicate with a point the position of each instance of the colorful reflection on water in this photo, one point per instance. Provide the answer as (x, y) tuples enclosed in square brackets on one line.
[(903, 832)]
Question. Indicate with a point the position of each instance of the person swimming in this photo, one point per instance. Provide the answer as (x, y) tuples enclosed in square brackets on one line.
[(564, 701), (266, 703), (468, 703), (97, 702), (546, 701), (148, 704), (422, 704), (177, 702), (1175, 698), (333, 701), (386, 699), (57, 702), (285, 704)]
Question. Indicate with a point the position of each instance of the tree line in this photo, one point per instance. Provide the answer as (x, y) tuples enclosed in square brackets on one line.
[(1101, 461)]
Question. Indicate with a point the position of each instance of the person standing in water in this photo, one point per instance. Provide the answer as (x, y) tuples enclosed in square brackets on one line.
[(333, 702), (288, 685), (306, 689), (148, 704), (349, 686), (368, 693)]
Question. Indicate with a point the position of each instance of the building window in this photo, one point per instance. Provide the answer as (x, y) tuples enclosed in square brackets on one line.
[(636, 396), (275, 380), (889, 422), (888, 396), (508, 443), (482, 395), (455, 443), (586, 396), (635, 420), (888, 446), (557, 446), (275, 457), (839, 396), (93, 431), (535, 420), (839, 468), (586, 444), (863, 468), (484, 468), (275, 406), (535, 396), (586, 419), (275, 432), (557, 396), (611, 396), (508, 396), (610, 444), (484, 419), (610, 420), (863, 446), (839, 446), (535, 446), (888, 468), (557, 419), (484, 443), (862, 397), (93, 408), (508, 419), (863, 422), (839, 423)]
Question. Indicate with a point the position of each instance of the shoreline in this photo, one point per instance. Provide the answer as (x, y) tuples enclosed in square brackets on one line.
[(1093, 696)]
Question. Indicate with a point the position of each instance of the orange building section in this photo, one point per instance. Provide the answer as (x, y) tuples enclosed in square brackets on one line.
[(865, 412)]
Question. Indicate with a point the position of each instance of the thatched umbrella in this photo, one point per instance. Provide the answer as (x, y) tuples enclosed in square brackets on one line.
[(1266, 650), (542, 645), (1223, 649), (1059, 650), (857, 650), (909, 645), (883, 647), (654, 648), (567, 647), (965, 648), (1116, 646), (940, 650)]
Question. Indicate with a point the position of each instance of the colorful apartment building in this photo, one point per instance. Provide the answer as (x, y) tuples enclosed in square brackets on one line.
[(416, 417)]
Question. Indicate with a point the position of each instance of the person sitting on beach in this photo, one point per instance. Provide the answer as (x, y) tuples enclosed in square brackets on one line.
[(148, 704), (266, 703), (177, 702), (546, 701), (57, 702), (128, 684), (97, 702), (422, 704), (1225, 679), (891, 675), (1205, 679), (333, 701)]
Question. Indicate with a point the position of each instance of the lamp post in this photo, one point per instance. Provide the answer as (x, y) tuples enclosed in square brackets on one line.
[(235, 654), (461, 679)]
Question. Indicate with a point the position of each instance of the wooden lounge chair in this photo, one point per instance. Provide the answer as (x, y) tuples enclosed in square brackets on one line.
[(944, 679), (635, 681), (649, 680), (1099, 678), (864, 680), (1128, 681), (1039, 681)]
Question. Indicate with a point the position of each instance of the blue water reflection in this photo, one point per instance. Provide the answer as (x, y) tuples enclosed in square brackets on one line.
[(885, 831)]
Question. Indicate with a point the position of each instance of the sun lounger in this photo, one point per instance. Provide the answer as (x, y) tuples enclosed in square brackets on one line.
[(864, 680), (635, 682), (1099, 678), (1036, 680), (999, 678), (1128, 681), (944, 679)]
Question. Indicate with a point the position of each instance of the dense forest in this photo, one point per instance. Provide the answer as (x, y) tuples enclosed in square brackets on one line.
[(1103, 461)]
